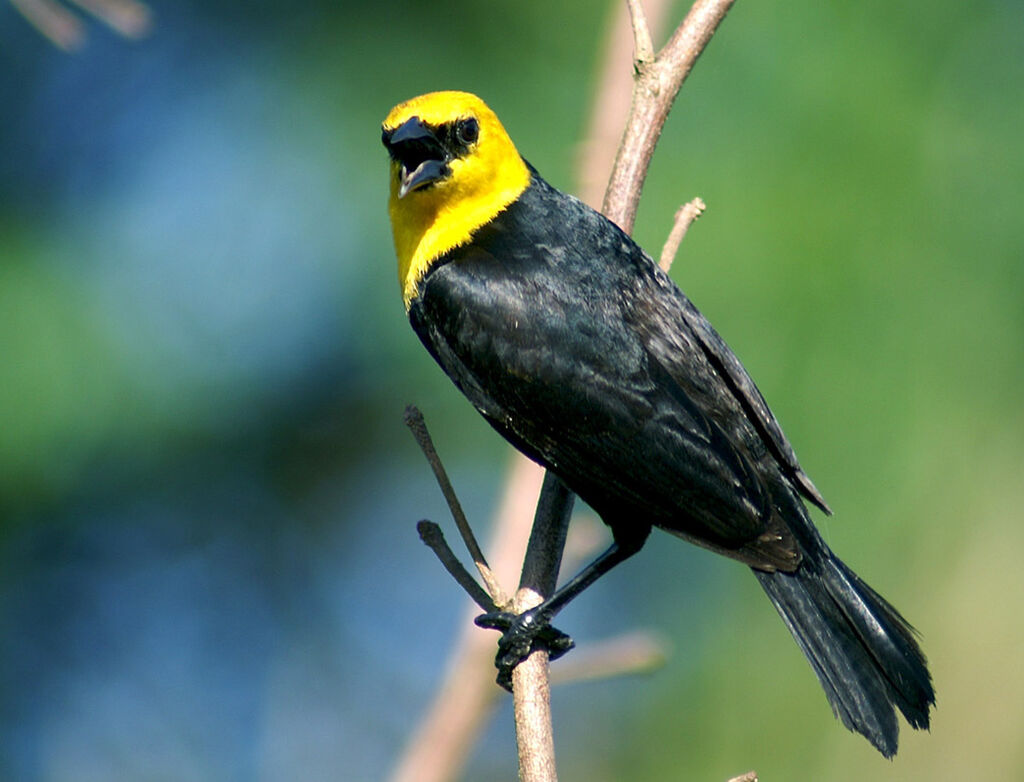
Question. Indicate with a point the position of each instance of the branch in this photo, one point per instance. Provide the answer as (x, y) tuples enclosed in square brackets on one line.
[(685, 216), (612, 100), (643, 46), (531, 688), (654, 92), (431, 534), (418, 427), (467, 696)]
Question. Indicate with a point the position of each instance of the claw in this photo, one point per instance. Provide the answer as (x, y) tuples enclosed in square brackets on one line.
[(521, 635), (495, 620)]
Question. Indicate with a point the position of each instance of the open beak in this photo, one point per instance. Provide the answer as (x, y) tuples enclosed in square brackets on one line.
[(416, 148), (426, 173)]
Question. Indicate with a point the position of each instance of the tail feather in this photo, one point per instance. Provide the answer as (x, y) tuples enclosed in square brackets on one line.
[(863, 652)]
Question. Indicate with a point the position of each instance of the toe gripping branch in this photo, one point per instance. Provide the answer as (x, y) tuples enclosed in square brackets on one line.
[(531, 630), (523, 634)]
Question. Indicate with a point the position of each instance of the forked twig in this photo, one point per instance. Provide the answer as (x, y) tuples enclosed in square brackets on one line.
[(431, 534), (414, 420), (467, 695), (657, 84)]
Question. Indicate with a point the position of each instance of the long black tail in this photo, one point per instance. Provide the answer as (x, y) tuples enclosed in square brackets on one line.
[(862, 650)]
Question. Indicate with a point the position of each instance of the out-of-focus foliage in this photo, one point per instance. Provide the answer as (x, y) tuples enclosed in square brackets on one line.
[(208, 566)]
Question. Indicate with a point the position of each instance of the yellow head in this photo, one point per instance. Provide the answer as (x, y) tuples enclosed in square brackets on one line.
[(453, 169)]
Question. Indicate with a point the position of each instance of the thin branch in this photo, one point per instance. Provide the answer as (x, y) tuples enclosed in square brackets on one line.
[(547, 537), (750, 776), (531, 698), (418, 427), (431, 534), (438, 748), (685, 216), (612, 97), (654, 92), (643, 46), (531, 687)]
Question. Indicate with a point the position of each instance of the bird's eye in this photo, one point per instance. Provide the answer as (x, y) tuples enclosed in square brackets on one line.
[(467, 130)]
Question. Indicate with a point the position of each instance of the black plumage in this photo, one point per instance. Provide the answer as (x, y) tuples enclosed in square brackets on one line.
[(578, 349)]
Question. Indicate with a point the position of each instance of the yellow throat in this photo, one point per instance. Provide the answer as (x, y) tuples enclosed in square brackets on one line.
[(485, 177)]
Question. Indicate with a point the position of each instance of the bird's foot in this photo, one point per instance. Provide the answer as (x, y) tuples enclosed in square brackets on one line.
[(522, 634)]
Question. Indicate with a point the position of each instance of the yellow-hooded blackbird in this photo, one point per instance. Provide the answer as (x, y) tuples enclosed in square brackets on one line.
[(580, 351)]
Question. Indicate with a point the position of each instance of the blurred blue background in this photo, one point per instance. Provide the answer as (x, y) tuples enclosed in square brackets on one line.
[(208, 562)]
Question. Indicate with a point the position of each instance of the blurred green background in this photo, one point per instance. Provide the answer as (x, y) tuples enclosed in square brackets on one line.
[(208, 562)]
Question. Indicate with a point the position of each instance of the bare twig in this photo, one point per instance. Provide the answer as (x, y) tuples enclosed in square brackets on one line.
[(750, 776), (431, 534), (643, 46), (547, 537), (685, 216), (531, 688), (612, 100), (531, 697), (414, 420), (656, 87), (467, 695)]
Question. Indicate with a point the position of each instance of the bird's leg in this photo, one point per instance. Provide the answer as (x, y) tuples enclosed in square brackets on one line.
[(530, 630)]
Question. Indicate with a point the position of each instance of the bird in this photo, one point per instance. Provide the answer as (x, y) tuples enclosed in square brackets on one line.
[(581, 352)]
